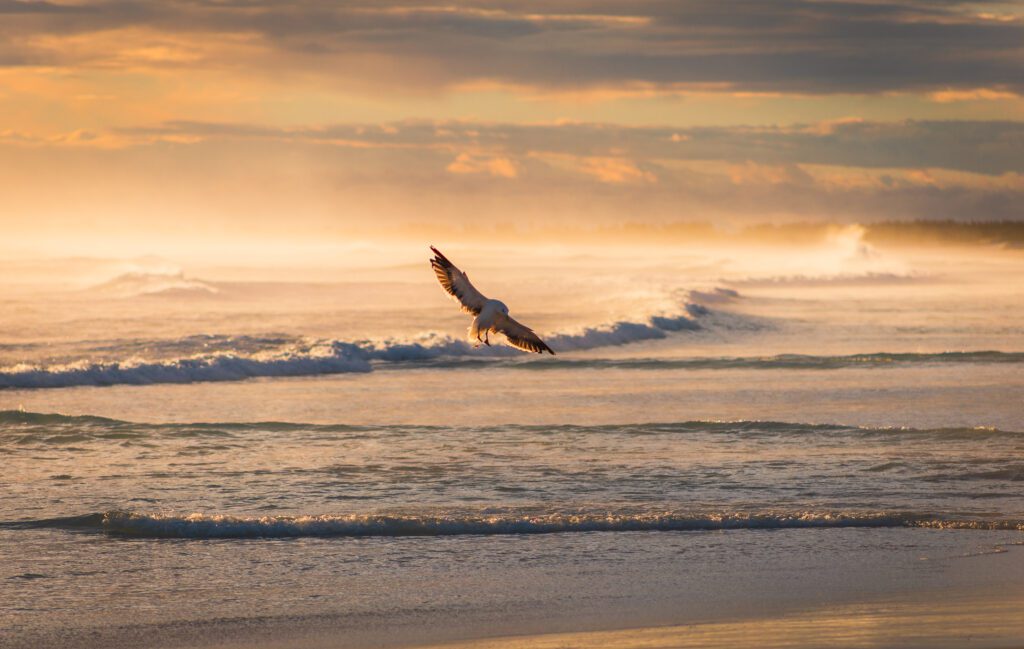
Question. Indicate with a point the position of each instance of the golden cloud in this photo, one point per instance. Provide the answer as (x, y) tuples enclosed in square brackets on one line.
[(951, 95), (497, 167)]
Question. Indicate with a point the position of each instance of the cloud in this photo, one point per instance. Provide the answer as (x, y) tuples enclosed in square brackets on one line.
[(974, 94), (11, 7), (83, 138), (498, 167), (196, 178), (984, 147), (615, 169), (752, 173), (789, 46)]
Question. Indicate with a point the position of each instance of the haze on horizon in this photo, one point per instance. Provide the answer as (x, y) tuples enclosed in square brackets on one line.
[(130, 124)]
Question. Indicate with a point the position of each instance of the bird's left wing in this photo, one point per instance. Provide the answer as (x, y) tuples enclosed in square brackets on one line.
[(520, 336), (456, 283)]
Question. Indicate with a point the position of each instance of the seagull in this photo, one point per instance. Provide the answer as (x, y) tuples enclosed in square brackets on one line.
[(491, 315)]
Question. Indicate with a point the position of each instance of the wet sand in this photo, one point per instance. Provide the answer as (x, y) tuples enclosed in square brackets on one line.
[(992, 622), (843, 590)]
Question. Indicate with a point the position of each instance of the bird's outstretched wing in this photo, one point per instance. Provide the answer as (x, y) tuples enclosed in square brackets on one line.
[(456, 283), (520, 336)]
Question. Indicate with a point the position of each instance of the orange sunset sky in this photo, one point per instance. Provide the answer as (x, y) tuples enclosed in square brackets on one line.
[(130, 121)]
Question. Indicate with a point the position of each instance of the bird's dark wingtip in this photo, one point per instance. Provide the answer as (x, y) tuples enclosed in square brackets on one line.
[(440, 256)]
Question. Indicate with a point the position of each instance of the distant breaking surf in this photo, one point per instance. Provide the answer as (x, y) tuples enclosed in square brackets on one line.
[(194, 359)]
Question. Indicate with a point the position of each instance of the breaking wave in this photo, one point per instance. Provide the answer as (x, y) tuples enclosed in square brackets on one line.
[(303, 358), (336, 357), (218, 526), (201, 358), (332, 358)]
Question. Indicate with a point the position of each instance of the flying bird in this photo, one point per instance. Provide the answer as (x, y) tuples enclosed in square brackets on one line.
[(490, 315)]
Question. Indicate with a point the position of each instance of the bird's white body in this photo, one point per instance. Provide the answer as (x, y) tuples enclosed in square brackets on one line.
[(488, 320)]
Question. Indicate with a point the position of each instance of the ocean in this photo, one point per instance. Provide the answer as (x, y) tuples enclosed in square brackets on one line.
[(198, 454)]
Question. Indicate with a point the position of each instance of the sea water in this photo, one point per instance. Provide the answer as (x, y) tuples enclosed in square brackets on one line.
[(200, 454)]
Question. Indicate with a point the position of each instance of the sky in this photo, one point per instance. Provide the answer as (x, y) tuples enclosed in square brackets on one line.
[(138, 122)]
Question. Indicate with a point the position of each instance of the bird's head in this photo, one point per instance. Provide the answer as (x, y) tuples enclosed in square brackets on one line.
[(501, 307)]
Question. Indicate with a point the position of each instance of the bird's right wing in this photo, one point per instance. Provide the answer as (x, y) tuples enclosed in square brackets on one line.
[(520, 336), (456, 283)]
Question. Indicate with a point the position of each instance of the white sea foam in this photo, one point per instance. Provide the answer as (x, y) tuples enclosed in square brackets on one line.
[(333, 358)]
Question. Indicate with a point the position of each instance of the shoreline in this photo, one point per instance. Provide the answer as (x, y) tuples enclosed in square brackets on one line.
[(935, 618), (988, 622)]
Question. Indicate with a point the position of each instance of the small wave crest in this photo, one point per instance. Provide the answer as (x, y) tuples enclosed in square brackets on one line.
[(219, 526), (783, 361), (26, 417), (27, 426)]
